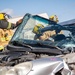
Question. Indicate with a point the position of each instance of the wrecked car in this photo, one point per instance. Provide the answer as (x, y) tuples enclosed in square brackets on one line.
[(24, 47)]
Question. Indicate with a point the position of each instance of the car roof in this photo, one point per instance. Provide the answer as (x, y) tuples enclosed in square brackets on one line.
[(69, 22)]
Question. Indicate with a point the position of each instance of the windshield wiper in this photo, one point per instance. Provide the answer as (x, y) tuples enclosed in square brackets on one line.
[(22, 44)]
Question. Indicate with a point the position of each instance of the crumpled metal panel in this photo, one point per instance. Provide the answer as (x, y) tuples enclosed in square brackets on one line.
[(42, 66)]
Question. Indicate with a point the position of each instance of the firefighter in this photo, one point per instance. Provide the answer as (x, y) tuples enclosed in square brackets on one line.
[(42, 36), (47, 34), (54, 18), (6, 31), (4, 24)]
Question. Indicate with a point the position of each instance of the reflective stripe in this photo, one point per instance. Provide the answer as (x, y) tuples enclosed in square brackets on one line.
[(8, 38), (1, 48), (2, 39), (9, 26)]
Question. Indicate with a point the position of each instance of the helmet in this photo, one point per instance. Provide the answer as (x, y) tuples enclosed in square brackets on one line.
[(37, 27), (2, 16), (54, 18)]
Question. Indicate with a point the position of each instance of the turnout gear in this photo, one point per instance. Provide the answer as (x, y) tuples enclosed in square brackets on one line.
[(37, 27), (54, 18), (6, 25), (48, 34), (5, 32), (8, 34), (2, 33), (5, 36), (5, 29), (1, 47)]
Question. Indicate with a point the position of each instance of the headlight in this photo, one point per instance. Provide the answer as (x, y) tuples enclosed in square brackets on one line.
[(20, 69)]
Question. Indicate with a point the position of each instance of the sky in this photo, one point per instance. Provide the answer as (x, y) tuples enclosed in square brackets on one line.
[(64, 9)]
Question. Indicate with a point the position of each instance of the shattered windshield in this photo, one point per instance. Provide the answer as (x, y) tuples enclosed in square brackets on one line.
[(25, 30), (29, 30)]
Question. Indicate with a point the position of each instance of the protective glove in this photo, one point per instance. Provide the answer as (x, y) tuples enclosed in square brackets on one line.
[(19, 22)]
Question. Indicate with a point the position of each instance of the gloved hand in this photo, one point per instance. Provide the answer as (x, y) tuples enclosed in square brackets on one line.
[(19, 22)]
